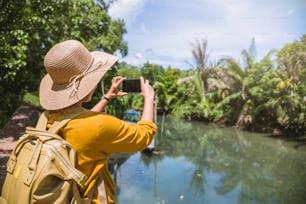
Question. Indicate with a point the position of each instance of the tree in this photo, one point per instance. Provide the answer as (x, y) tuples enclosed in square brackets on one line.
[(292, 60), (29, 28), (261, 82), (289, 104), (13, 51), (166, 89), (193, 87), (200, 55), (239, 102), (252, 49), (151, 72)]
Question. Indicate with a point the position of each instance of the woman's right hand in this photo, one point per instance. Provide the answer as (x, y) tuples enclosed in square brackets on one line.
[(147, 90)]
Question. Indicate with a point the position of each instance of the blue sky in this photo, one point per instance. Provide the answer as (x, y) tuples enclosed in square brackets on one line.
[(162, 31)]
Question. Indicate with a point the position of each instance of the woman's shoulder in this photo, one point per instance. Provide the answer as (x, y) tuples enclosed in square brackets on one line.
[(94, 117)]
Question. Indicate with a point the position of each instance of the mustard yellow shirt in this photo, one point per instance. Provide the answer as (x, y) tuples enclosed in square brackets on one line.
[(94, 136)]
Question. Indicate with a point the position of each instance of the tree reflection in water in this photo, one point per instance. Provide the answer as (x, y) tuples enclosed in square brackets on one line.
[(222, 164)]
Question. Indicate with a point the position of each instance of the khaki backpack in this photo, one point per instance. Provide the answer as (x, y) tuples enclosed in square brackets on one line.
[(41, 168)]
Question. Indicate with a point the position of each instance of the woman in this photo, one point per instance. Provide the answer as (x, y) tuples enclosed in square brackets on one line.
[(72, 77)]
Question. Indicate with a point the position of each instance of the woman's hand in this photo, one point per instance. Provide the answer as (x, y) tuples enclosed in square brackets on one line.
[(146, 89), (114, 90)]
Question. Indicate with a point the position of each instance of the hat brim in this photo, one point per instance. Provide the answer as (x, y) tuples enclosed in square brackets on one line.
[(54, 97)]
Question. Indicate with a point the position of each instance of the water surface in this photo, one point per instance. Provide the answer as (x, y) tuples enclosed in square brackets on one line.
[(207, 164)]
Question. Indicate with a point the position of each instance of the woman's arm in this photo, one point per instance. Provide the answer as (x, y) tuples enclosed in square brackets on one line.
[(112, 93), (148, 94), (101, 104), (146, 91)]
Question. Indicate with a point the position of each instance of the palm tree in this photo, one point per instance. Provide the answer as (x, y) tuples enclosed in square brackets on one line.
[(236, 80), (196, 84), (244, 86), (200, 56)]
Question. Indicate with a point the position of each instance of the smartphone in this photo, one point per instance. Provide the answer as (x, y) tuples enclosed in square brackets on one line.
[(131, 86)]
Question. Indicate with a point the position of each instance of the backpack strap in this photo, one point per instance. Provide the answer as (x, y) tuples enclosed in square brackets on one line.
[(61, 120)]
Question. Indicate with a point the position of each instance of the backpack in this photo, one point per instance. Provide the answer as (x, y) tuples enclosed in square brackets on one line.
[(41, 168)]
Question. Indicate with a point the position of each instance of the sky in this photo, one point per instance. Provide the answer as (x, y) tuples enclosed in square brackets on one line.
[(162, 31)]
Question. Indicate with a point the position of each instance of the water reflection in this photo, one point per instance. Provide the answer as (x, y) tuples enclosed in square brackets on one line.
[(206, 164)]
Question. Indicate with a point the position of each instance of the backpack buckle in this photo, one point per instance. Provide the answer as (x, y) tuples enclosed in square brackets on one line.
[(11, 163), (29, 177)]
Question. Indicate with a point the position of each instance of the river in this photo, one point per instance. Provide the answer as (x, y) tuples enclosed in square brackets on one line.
[(200, 163)]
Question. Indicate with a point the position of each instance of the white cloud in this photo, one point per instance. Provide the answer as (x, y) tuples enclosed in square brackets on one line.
[(135, 60), (291, 11), (138, 56), (127, 9), (167, 28), (143, 28)]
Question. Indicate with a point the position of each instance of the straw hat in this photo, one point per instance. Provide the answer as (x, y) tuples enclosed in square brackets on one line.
[(73, 72)]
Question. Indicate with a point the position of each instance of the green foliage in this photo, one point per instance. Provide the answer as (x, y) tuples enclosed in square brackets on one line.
[(290, 104), (31, 98), (151, 72), (128, 71), (29, 28)]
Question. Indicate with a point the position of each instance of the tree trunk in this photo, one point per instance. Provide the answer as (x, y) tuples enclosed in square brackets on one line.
[(203, 91)]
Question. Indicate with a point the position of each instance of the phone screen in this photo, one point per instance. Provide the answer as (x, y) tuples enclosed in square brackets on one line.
[(131, 86)]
